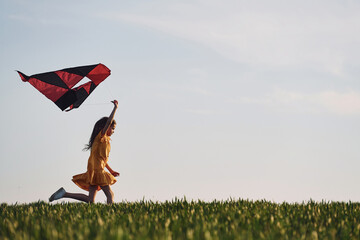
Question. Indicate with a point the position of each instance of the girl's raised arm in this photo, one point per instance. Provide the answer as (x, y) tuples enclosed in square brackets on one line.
[(111, 118)]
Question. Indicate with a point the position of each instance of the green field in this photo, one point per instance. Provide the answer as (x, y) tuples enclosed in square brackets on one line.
[(181, 219)]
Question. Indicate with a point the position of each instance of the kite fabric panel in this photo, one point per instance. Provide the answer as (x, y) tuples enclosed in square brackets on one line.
[(58, 86)]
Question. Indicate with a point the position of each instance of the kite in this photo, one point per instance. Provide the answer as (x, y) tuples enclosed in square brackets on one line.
[(60, 86)]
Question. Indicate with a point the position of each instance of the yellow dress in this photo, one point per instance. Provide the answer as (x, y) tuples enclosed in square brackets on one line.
[(96, 175)]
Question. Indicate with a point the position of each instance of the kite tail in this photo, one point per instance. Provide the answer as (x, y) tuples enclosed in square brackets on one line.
[(24, 77)]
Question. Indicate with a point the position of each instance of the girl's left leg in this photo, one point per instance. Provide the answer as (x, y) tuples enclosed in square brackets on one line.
[(82, 197), (108, 193)]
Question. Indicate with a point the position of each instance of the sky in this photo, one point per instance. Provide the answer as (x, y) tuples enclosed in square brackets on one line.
[(255, 100)]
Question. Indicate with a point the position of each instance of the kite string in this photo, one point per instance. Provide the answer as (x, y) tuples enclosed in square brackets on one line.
[(108, 89), (95, 104), (103, 103)]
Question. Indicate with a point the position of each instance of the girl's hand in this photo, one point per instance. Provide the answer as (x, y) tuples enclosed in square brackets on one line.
[(115, 102), (115, 174)]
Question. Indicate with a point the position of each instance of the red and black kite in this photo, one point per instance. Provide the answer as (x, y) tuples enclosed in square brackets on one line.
[(58, 86)]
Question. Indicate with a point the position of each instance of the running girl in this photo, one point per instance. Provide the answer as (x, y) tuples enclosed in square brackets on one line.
[(96, 177)]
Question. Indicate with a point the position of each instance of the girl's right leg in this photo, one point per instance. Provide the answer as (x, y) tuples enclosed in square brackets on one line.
[(108, 193), (82, 197)]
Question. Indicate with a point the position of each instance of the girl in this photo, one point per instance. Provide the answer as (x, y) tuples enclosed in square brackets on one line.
[(96, 177)]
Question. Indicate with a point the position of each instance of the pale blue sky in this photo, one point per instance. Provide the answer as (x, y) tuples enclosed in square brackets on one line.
[(217, 99)]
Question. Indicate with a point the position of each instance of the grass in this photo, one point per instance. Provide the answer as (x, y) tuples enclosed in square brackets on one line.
[(181, 219)]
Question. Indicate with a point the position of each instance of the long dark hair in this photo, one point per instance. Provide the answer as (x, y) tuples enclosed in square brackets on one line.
[(99, 125)]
